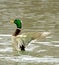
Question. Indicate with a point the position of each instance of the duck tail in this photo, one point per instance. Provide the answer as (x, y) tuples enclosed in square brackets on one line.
[(45, 34)]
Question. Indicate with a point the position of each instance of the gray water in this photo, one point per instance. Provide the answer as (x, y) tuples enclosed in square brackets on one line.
[(37, 15)]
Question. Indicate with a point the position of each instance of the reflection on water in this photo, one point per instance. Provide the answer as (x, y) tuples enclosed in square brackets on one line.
[(37, 15)]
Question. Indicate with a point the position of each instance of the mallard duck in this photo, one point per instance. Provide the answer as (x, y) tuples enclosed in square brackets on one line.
[(20, 40)]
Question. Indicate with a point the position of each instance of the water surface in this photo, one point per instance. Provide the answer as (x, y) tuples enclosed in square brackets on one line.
[(37, 15)]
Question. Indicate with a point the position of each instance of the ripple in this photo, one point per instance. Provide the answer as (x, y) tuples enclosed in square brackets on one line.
[(5, 43), (8, 49), (0, 38), (6, 35), (25, 58), (55, 41), (41, 51), (56, 45), (45, 43)]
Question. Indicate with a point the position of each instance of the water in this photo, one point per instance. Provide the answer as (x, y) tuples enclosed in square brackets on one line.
[(37, 15)]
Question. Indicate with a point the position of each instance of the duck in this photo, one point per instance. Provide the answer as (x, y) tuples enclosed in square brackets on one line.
[(21, 40)]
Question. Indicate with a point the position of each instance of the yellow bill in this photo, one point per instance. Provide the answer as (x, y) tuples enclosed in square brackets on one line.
[(12, 21)]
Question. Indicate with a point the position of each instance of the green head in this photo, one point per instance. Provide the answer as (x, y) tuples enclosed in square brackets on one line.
[(18, 23)]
